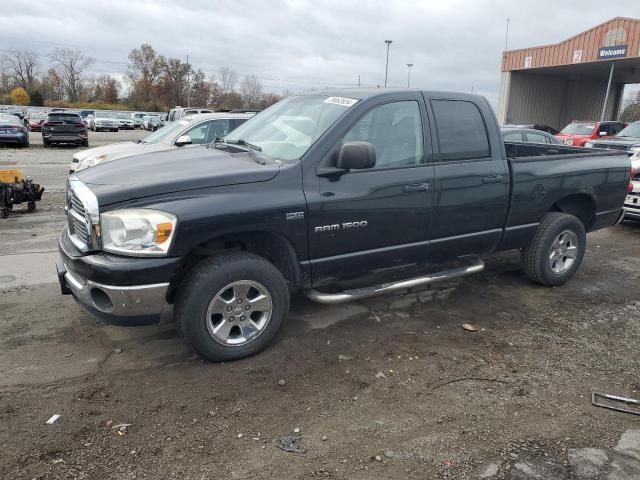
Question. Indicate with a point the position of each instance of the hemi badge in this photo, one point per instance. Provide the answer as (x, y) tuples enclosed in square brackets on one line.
[(295, 215)]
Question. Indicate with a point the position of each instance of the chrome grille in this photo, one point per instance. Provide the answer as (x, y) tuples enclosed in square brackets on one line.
[(76, 218)]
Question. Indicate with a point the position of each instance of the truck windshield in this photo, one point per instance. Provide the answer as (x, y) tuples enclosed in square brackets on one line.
[(287, 129), (579, 129), (632, 130)]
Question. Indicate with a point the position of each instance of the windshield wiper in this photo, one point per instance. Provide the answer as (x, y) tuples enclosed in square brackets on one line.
[(244, 143)]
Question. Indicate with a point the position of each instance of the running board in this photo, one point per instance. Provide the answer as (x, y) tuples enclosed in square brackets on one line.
[(359, 293)]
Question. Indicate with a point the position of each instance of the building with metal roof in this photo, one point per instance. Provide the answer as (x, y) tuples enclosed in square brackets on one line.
[(582, 77)]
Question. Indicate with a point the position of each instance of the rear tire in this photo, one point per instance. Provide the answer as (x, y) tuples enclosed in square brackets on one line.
[(31, 206), (219, 321), (555, 253)]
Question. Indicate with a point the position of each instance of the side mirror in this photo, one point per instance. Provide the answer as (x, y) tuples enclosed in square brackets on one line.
[(183, 140), (602, 134), (356, 156)]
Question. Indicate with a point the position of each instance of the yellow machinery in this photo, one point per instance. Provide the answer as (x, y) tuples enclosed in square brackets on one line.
[(15, 189)]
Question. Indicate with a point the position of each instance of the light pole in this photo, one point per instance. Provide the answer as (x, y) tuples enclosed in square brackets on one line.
[(386, 69), (409, 74)]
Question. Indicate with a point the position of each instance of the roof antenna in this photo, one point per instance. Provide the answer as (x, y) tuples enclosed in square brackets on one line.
[(506, 37)]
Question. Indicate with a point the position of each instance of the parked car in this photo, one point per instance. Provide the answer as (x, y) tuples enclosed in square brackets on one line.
[(152, 122), (179, 112), (137, 119), (632, 202), (18, 112), (64, 127), (519, 134), (104, 120), (628, 139), (536, 126), (194, 130), (577, 133), (125, 122), (36, 120), (340, 194), (13, 131)]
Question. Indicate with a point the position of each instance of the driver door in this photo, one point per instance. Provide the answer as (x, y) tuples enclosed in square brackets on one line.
[(374, 222)]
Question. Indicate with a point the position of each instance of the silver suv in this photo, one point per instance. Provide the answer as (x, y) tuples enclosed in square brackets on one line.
[(178, 112)]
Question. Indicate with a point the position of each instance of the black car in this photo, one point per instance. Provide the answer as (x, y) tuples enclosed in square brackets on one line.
[(536, 126), (64, 127), (628, 139), (13, 131), (529, 135)]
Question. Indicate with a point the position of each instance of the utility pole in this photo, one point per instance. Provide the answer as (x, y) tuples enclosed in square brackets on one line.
[(506, 37), (409, 74), (188, 84), (386, 69), (606, 95)]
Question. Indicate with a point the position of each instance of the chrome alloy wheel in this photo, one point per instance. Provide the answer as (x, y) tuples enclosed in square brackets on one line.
[(564, 251), (239, 313)]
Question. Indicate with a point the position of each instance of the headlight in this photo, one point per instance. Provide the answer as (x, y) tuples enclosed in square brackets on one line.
[(91, 161), (137, 231), (588, 145)]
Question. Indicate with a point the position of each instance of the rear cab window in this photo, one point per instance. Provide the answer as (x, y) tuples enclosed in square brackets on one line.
[(63, 117), (462, 132)]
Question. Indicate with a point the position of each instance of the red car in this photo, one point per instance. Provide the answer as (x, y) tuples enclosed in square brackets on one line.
[(579, 132), (36, 120)]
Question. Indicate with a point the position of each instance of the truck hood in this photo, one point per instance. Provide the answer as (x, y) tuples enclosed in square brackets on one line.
[(121, 150), (172, 171)]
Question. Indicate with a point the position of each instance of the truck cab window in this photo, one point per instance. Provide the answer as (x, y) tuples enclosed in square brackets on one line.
[(395, 131), (462, 133)]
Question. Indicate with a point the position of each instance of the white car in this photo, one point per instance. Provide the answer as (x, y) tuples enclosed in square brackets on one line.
[(194, 130), (104, 120), (125, 122)]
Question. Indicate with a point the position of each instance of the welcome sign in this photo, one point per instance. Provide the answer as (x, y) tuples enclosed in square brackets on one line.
[(617, 51)]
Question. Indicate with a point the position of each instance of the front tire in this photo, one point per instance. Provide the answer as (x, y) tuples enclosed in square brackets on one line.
[(556, 251), (231, 306)]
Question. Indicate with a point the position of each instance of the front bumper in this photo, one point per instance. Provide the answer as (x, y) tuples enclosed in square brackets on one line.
[(117, 290)]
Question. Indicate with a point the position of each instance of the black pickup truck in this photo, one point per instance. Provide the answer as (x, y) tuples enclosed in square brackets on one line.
[(340, 194)]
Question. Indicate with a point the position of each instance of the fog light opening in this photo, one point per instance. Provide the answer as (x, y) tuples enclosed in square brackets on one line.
[(101, 300)]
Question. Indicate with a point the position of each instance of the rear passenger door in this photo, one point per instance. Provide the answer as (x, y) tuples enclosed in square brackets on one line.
[(471, 179)]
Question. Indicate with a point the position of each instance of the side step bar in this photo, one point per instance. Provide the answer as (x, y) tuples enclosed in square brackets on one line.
[(359, 293)]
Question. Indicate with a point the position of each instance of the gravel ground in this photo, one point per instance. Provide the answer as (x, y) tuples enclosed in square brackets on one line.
[(392, 387)]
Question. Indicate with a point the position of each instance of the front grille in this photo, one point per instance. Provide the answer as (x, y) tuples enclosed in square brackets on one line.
[(77, 219)]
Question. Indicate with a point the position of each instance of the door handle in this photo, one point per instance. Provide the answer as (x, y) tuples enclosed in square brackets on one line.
[(415, 187), (493, 178)]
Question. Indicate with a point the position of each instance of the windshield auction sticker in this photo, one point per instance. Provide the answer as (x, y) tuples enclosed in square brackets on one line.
[(344, 101)]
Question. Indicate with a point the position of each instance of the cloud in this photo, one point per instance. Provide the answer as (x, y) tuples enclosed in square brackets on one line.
[(299, 45)]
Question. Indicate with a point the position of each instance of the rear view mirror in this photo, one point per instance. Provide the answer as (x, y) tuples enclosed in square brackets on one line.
[(356, 156), (183, 140), (602, 134)]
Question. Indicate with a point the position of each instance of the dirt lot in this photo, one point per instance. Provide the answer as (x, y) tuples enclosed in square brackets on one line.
[(388, 388)]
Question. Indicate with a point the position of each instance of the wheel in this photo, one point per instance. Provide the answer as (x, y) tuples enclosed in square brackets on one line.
[(85, 143), (31, 206), (555, 253), (4, 212), (45, 144), (231, 306)]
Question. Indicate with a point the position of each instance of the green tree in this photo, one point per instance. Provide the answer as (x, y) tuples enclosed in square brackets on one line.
[(36, 99)]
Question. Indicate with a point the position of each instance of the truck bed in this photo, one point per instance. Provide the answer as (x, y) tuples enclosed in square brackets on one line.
[(520, 151), (556, 177)]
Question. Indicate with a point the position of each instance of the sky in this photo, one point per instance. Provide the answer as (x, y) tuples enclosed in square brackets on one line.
[(301, 45)]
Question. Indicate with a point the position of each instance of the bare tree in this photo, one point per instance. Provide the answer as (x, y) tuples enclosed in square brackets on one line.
[(72, 64), (22, 67), (144, 72), (227, 79), (251, 89)]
